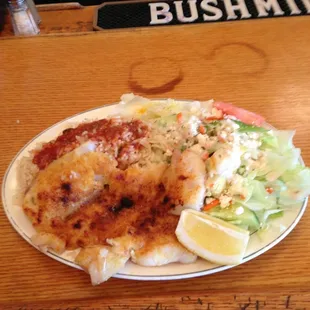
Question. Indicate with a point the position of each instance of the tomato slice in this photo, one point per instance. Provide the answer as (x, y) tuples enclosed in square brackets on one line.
[(241, 114)]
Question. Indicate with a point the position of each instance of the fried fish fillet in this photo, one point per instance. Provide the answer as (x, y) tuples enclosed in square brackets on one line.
[(65, 185), (185, 180), (133, 223), (82, 200)]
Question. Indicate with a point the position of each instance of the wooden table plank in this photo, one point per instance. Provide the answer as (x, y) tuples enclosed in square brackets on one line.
[(196, 301), (261, 65)]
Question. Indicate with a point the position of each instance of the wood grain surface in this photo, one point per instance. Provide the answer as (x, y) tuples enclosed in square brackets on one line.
[(261, 65), (197, 300)]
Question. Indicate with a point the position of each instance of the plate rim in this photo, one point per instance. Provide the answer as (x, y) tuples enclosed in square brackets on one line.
[(188, 275)]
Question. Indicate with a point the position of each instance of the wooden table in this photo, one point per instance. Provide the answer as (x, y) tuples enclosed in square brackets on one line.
[(261, 65)]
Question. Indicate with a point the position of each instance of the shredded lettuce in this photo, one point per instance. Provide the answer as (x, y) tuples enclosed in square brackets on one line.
[(277, 164), (269, 179), (280, 154), (298, 185), (269, 141), (249, 128), (281, 172), (278, 140), (260, 199), (266, 215), (285, 140)]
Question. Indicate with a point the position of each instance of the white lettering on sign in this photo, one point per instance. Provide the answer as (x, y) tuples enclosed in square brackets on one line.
[(161, 10), (293, 7), (240, 6), (263, 6), (217, 13), (306, 4), (180, 13)]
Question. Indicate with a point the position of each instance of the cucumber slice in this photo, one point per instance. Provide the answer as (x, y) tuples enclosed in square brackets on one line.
[(230, 214)]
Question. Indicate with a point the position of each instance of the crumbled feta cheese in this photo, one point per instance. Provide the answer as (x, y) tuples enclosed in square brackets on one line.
[(202, 139), (225, 201), (192, 125), (237, 186), (246, 155), (253, 135), (230, 117), (252, 144), (239, 211), (249, 142), (209, 200), (233, 124), (223, 134), (234, 137)]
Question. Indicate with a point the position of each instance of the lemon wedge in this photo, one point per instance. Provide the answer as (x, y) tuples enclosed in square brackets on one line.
[(212, 239)]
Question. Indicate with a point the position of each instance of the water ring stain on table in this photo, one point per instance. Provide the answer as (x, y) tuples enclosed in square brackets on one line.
[(163, 75), (244, 58)]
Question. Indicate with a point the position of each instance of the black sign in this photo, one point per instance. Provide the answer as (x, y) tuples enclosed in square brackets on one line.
[(128, 14)]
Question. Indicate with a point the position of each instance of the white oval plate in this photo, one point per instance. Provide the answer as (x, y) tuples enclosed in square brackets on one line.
[(12, 206)]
